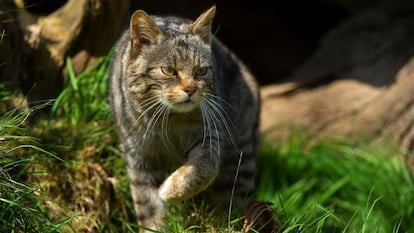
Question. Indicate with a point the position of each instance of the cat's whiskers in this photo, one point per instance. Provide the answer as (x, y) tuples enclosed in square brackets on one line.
[(149, 104), (220, 115), (221, 100), (164, 127), (206, 125), (153, 121), (209, 123), (161, 113), (217, 135), (148, 101)]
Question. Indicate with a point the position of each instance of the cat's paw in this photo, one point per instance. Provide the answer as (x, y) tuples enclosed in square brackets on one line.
[(178, 186), (170, 190), (183, 184)]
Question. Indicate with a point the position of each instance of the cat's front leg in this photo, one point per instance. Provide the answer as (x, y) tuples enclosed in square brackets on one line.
[(149, 207), (193, 177)]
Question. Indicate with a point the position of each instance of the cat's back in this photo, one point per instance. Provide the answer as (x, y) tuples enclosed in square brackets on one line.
[(236, 85)]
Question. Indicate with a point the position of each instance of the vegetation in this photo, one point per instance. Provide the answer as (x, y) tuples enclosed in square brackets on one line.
[(338, 186), (60, 171)]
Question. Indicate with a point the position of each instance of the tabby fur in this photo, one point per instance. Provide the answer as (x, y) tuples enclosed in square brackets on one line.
[(185, 109)]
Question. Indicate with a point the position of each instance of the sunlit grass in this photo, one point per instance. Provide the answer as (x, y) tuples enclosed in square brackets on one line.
[(338, 186), (21, 201)]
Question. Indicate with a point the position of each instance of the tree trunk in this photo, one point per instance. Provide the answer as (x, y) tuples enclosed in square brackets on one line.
[(39, 44)]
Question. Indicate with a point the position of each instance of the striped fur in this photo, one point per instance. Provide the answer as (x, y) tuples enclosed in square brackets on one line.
[(185, 108)]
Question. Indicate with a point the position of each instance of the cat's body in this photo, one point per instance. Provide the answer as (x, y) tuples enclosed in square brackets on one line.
[(185, 108)]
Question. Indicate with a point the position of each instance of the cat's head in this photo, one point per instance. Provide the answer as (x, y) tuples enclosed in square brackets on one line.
[(170, 60)]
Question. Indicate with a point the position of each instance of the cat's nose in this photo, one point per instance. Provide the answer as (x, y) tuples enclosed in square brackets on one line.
[(190, 89)]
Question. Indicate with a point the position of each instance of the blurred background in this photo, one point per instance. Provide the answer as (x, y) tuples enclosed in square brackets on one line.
[(272, 37)]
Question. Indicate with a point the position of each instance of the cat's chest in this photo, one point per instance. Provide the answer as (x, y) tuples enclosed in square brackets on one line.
[(182, 135), (176, 137)]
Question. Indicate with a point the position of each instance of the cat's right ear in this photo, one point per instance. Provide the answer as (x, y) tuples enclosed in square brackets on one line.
[(203, 24), (143, 31)]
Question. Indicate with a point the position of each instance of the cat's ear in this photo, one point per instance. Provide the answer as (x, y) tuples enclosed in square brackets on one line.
[(203, 24), (143, 30)]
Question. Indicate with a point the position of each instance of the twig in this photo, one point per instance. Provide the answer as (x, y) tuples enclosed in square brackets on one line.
[(234, 187)]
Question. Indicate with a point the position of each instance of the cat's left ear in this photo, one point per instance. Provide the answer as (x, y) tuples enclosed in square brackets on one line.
[(203, 24), (143, 30)]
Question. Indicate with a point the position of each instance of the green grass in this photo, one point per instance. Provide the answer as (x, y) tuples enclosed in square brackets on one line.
[(338, 186), (21, 201), (63, 173)]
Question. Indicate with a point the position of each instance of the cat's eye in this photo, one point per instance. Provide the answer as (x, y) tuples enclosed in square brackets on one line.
[(169, 71), (201, 71)]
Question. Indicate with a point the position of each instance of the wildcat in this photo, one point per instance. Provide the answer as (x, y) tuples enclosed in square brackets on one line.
[(185, 109)]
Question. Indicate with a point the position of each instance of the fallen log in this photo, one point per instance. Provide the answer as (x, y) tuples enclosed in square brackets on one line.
[(360, 80)]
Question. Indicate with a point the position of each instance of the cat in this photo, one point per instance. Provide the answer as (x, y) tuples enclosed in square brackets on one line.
[(185, 109)]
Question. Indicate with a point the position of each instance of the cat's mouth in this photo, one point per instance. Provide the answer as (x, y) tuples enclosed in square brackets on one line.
[(186, 105), (187, 101)]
